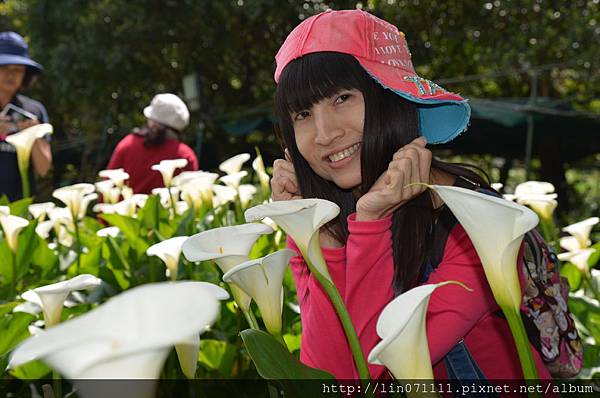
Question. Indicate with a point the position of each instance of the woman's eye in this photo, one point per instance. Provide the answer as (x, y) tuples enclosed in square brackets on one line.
[(301, 115), (342, 98)]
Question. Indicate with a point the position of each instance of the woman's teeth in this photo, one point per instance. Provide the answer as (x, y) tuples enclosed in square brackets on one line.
[(336, 157)]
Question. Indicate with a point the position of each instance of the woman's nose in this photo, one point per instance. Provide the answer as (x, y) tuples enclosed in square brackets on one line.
[(327, 129)]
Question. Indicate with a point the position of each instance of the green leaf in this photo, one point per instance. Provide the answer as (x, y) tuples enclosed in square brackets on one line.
[(20, 207), (274, 362), (588, 313), (595, 257), (43, 257), (573, 275), (6, 261), (13, 329), (31, 370), (130, 227), (5, 308), (217, 355), (293, 341), (184, 223), (26, 246), (90, 261), (152, 213)]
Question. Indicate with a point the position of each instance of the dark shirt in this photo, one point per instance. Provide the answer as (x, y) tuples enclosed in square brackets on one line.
[(10, 179)]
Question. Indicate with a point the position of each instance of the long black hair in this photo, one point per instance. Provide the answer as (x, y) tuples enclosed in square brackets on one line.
[(390, 123)]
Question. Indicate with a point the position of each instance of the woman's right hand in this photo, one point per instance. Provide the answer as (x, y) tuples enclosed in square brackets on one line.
[(284, 184)]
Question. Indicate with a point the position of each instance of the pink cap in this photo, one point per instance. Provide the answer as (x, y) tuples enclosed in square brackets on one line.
[(381, 50)]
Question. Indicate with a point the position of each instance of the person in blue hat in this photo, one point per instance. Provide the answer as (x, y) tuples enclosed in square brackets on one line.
[(17, 112)]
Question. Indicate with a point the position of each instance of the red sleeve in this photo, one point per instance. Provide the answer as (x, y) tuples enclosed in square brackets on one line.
[(187, 153), (117, 157), (453, 311), (369, 275)]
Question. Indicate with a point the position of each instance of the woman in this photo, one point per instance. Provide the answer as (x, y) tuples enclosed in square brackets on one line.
[(167, 117), (355, 119), (18, 71)]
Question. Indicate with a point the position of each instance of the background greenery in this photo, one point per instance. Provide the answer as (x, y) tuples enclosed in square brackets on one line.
[(104, 60)]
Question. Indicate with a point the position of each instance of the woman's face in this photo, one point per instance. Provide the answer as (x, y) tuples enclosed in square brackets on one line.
[(329, 137), (11, 78)]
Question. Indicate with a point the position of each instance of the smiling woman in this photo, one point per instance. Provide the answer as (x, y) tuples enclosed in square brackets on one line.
[(355, 119)]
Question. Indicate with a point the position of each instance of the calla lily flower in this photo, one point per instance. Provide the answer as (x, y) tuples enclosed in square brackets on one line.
[(228, 247), (202, 177), (23, 142), (117, 176), (496, 228), (166, 194), (187, 349), (403, 349), (263, 177), (543, 205), (262, 280), (12, 226), (581, 230), (223, 195), (578, 258), (4, 210), (126, 192), (39, 210), (246, 193), (234, 164), (168, 167), (497, 186), (113, 232), (533, 188), (52, 297), (181, 207), (43, 229), (106, 189), (128, 337), (301, 219), (233, 180), (168, 251), (75, 197)]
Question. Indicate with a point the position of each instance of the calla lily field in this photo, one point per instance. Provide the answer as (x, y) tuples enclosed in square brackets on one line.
[(193, 282)]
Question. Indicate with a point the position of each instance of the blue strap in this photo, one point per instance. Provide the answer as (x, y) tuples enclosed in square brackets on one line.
[(461, 366)]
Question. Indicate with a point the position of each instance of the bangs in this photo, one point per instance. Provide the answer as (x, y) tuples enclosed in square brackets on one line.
[(314, 77)]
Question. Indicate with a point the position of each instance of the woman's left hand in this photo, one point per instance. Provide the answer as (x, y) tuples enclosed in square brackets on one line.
[(410, 164)]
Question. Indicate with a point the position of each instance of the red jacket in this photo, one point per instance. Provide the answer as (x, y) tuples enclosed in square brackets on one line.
[(137, 160), (363, 272)]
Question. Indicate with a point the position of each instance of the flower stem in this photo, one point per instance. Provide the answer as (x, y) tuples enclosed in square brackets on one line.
[(56, 383), (13, 282), (587, 281), (340, 308), (517, 328), (173, 207), (77, 242), (251, 319), (24, 172)]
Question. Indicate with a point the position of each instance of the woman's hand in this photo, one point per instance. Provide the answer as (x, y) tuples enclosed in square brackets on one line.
[(410, 164), (284, 184)]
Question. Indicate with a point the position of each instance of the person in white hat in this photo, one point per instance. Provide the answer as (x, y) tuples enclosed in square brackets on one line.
[(160, 140)]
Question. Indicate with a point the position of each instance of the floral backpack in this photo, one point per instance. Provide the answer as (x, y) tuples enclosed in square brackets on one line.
[(548, 322)]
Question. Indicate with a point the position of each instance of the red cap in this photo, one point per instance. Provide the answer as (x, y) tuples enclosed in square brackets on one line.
[(381, 50)]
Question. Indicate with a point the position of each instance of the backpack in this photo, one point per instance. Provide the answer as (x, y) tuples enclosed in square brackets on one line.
[(548, 322)]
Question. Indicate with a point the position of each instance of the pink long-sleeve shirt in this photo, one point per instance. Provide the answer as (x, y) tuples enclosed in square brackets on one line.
[(363, 272)]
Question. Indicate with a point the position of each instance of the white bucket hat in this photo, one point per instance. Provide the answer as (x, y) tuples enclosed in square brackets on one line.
[(168, 109)]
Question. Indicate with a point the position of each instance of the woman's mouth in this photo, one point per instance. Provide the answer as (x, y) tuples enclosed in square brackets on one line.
[(341, 155)]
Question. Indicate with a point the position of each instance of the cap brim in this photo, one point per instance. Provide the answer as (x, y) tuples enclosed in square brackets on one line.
[(148, 112), (7, 59), (442, 115)]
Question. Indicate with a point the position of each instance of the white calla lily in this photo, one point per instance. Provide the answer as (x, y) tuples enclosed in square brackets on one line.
[(533, 188), (246, 193), (105, 188), (404, 350), (570, 243), (188, 348), (4, 210), (233, 180), (578, 258), (301, 219), (12, 226), (167, 169), (117, 176), (234, 164), (228, 247), (113, 232), (74, 197), (262, 280), (23, 142), (543, 205), (168, 251), (259, 167), (166, 195), (202, 177), (581, 230), (223, 195), (39, 210), (496, 228), (43, 229), (52, 297), (128, 337)]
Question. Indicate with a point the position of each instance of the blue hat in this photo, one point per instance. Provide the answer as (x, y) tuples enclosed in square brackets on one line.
[(13, 51)]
